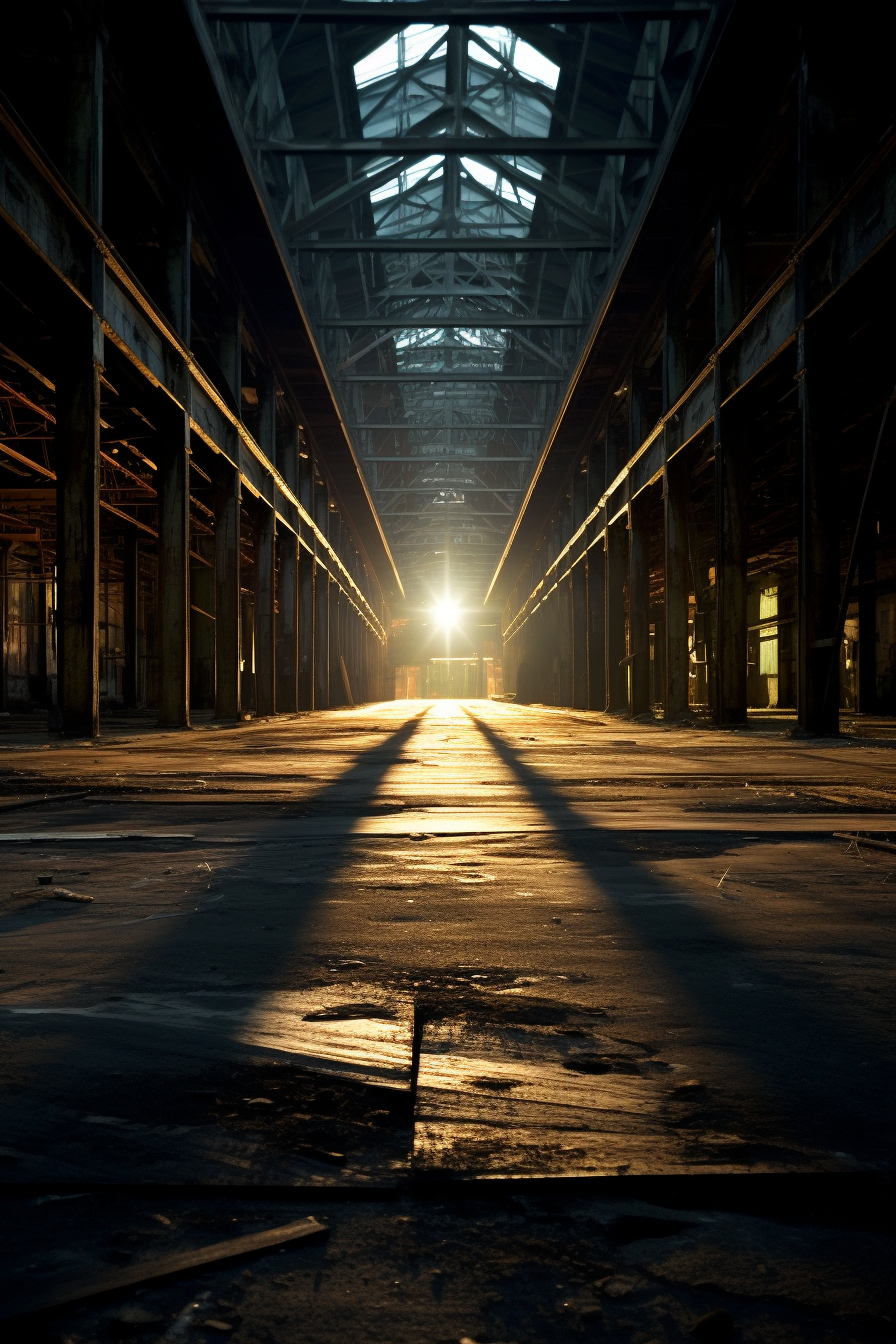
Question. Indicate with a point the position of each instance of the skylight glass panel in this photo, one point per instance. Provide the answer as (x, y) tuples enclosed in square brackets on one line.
[(494, 182), (524, 58), (408, 178), (407, 339), (398, 52)]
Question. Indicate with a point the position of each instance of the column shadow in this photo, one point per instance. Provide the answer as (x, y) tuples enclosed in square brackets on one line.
[(817, 1067), (164, 1084)]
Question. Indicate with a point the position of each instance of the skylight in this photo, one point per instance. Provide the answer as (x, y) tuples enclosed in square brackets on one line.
[(499, 185), (525, 60), (443, 254), (399, 51), (407, 178)]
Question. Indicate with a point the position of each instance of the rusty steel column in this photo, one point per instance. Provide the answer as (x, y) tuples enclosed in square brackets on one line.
[(228, 701), (173, 638), (131, 614), (639, 606), (728, 695), (321, 503), (82, 120), (580, 635), (306, 628), (79, 363), (676, 483), (616, 583), (265, 662), (565, 650), (321, 637), (288, 624), (597, 625), (819, 518)]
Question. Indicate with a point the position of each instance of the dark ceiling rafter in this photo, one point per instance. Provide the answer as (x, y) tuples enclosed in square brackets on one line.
[(393, 13), (537, 146), (449, 323), (416, 246)]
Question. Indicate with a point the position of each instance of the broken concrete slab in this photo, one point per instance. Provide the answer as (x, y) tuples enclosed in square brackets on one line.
[(493, 1103)]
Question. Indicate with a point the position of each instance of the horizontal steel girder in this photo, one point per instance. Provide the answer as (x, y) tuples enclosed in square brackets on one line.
[(437, 461), (438, 522), (445, 503), (441, 429), (458, 377), (417, 245), (465, 144), (448, 323), (396, 14)]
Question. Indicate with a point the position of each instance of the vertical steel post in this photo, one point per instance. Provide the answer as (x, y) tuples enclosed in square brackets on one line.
[(79, 363), (131, 614), (615, 599), (265, 598), (639, 605), (597, 625), (677, 583), (173, 636), (579, 583), (819, 554), (288, 624), (228, 700), (307, 607), (321, 604), (728, 691)]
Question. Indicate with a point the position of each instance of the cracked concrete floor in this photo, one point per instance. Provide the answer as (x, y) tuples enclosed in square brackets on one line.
[(415, 946)]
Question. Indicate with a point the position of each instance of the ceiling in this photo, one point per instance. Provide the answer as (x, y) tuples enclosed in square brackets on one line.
[(455, 196)]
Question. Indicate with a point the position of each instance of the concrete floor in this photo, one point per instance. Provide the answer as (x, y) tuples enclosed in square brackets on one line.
[(518, 972)]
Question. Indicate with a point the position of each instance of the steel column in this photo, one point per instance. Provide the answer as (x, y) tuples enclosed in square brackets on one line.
[(867, 595), (288, 624), (728, 691), (677, 588), (639, 605), (616, 582), (228, 699), (819, 557), (173, 627), (597, 626), (321, 637), (579, 596), (131, 616), (265, 601), (307, 607), (79, 363)]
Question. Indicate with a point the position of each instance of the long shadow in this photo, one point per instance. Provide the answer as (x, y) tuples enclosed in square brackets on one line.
[(257, 937), (821, 1071)]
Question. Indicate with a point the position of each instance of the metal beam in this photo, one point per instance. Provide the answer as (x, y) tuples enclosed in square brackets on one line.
[(396, 14), (439, 429), (465, 144), (435, 461), (449, 323), (437, 522), (448, 485), (461, 376), (417, 245), (345, 195)]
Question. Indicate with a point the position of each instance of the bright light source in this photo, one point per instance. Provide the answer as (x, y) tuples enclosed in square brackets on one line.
[(445, 613)]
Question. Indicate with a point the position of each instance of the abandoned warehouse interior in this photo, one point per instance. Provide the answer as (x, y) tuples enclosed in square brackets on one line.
[(398, 405)]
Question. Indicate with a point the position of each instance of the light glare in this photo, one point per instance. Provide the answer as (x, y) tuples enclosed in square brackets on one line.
[(445, 613)]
